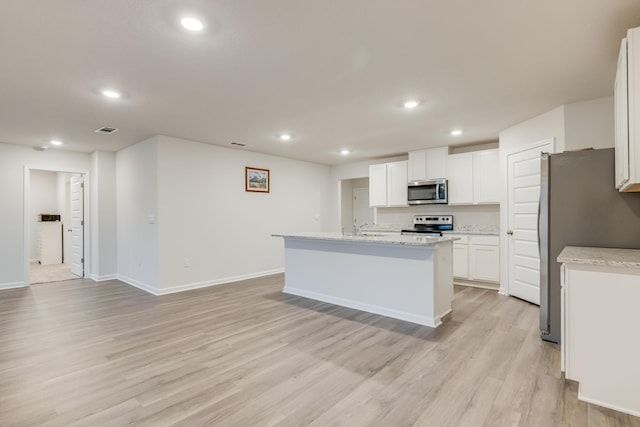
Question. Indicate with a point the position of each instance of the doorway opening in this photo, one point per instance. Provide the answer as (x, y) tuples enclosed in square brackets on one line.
[(354, 207), (54, 225)]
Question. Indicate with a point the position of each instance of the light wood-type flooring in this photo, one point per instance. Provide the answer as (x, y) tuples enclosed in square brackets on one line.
[(80, 353)]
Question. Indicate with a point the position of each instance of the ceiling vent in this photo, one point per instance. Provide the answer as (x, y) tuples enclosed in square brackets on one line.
[(107, 130)]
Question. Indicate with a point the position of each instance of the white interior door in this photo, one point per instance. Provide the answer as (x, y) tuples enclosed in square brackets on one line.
[(362, 213), (77, 225), (523, 198)]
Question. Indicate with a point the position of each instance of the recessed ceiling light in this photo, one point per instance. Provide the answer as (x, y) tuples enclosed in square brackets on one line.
[(456, 132), (412, 103), (285, 137), (110, 93), (192, 24), (55, 142), (344, 152)]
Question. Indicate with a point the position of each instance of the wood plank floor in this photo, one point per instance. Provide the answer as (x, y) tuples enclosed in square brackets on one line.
[(80, 353)]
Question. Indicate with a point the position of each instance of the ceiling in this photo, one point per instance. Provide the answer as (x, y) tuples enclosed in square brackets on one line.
[(333, 73)]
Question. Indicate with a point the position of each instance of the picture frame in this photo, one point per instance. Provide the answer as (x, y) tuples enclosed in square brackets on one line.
[(256, 180)]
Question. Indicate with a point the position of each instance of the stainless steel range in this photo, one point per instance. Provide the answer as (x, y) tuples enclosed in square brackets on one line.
[(430, 224)]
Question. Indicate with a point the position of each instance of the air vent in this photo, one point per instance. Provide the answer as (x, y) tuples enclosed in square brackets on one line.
[(106, 129), (238, 144)]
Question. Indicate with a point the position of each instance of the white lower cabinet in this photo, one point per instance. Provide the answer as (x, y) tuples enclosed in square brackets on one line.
[(477, 257), (600, 342), (461, 257)]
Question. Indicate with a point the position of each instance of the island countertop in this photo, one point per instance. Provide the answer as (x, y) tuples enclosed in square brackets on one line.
[(357, 238)]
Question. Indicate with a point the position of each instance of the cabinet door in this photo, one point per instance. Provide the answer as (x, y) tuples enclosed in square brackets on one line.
[(621, 118), (484, 262), (396, 184), (486, 177), (460, 175), (633, 105), (460, 260), (436, 162), (378, 185), (417, 166)]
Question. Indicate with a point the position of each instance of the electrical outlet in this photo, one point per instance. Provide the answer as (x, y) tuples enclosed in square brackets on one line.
[(187, 262)]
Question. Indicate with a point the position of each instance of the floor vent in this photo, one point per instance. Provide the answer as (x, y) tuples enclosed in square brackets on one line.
[(106, 129)]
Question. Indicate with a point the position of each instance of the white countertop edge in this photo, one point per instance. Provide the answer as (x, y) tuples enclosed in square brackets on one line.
[(388, 240), (610, 257)]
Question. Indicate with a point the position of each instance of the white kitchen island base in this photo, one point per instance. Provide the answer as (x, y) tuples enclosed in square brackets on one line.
[(403, 277)]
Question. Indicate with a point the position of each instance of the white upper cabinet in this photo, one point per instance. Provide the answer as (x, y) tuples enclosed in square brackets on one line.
[(627, 104), (460, 170), (621, 118), (427, 164), (397, 184), (486, 177), (474, 177), (378, 185), (388, 184)]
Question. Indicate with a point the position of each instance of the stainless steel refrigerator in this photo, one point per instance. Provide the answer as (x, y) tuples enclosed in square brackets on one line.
[(579, 206)]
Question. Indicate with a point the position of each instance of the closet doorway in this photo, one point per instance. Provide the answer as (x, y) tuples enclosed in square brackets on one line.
[(54, 225)]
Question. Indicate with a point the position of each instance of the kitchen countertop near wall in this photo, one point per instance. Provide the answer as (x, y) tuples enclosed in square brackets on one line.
[(457, 229)]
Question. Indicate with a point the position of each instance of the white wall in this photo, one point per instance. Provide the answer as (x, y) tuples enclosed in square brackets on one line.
[(137, 234), (589, 124), (206, 216), (43, 199), (13, 159), (103, 206)]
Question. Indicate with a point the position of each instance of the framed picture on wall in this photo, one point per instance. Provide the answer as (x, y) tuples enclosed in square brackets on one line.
[(256, 180)]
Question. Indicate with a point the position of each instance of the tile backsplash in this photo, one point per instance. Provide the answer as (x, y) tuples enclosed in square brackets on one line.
[(473, 216)]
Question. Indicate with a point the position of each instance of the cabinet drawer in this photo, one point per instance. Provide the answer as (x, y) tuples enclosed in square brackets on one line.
[(484, 240)]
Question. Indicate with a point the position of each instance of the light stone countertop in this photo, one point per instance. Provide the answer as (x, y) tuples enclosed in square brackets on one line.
[(388, 240), (610, 257), (457, 229)]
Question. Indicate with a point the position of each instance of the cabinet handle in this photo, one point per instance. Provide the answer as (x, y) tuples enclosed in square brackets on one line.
[(510, 232)]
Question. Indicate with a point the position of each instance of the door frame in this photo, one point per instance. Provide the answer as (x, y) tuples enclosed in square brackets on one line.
[(504, 208), (27, 206), (353, 213)]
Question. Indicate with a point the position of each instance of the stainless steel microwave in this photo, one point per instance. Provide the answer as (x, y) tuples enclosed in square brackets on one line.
[(427, 192)]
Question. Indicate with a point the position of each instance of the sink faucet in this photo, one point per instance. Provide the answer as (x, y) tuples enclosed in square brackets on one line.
[(356, 230)]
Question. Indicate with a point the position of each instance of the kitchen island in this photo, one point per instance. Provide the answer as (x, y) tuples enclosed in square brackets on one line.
[(403, 277)]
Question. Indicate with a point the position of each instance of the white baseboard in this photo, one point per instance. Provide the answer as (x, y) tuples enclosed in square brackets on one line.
[(195, 285), (129, 281), (104, 278), (503, 291), (587, 399), (369, 308), (475, 284), (207, 283), (13, 285)]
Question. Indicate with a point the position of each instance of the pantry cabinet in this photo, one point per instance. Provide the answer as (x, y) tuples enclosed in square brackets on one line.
[(388, 184), (427, 164), (627, 114), (474, 178)]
